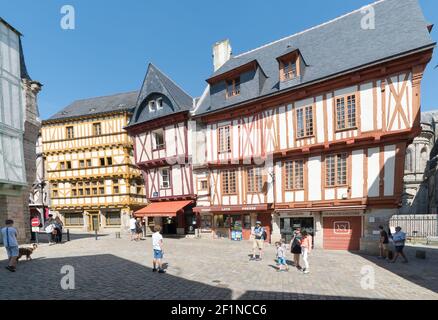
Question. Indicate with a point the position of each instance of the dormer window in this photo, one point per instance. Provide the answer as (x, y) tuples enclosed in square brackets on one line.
[(159, 103), (152, 106), (233, 87), (289, 66)]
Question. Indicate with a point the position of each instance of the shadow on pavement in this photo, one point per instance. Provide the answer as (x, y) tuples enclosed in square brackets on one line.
[(44, 238)]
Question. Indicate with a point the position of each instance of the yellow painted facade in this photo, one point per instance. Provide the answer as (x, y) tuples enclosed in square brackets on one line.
[(89, 164)]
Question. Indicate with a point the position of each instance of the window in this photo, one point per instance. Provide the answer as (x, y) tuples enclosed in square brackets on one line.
[(139, 187), (70, 132), (116, 186), (288, 69), (203, 185), (165, 178), (55, 193), (304, 121), (113, 218), (68, 164), (102, 162), (81, 163), (158, 139), (73, 219), (346, 112), (152, 106), (109, 161), (89, 163), (224, 138), (229, 182), (408, 160), (62, 165), (159, 103), (206, 222), (423, 158), (294, 174), (233, 87), (255, 179), (246, 221), (97, 129), (336, 169)]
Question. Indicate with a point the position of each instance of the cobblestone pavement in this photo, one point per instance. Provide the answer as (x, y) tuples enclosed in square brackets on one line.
[(111, 268)]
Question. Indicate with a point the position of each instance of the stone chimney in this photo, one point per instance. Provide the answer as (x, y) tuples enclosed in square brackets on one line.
[(221, 53)]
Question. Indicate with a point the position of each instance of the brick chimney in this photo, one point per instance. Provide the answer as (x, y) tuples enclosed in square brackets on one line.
[(221, 53)]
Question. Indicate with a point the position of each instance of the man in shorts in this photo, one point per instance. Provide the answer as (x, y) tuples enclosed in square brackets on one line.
[(132, 227), (399, 238), (258, 241), (383, 243), (9, 235), (157, 246)]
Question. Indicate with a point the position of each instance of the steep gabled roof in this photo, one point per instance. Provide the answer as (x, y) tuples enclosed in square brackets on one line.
[(339, 45), (99, 105), (156, 82)]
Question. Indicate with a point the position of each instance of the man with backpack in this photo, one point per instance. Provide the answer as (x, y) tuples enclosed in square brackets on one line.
[(259, 235)]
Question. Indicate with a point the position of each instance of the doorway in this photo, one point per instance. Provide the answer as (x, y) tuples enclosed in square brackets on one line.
[(93, 221), (289, 224)]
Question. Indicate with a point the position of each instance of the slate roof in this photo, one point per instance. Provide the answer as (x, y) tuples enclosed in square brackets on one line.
[(156, 82), (338, 46), (99, 105)]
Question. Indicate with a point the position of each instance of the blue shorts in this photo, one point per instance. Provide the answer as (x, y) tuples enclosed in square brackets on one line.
[(282, 261), (132, 231), (158, 254), (12, 251)]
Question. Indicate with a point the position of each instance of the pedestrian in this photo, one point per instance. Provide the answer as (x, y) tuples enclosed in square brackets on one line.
[(295, 248), (306, 248), (383, 243), (399, 238), (132, 223), (138, 229), (157, 245), (58, 227), (49, 228), (281, 257), (9, 235), (259, 235)]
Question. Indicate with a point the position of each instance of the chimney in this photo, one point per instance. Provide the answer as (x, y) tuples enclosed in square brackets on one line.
[(221, 53)]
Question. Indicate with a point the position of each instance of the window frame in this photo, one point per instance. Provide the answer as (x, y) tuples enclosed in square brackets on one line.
[(108, 219), (293, 177), (336, 173), (256, 186), (200, 188), (220, 139), (306, 123), (169, 181), (346, 120), (70, 134), (156, 146), (235, 85), (226, 178), (152, 105)]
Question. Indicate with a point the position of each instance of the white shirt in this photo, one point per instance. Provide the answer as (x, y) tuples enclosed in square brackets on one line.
[(132, 223), (156, 239), (10, 237)]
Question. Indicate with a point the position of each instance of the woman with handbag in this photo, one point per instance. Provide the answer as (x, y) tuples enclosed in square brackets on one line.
[(295, 247)]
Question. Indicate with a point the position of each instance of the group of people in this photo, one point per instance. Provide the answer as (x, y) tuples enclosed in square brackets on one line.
[(53, 228), (398, 239), (136, 228), (300, 246)]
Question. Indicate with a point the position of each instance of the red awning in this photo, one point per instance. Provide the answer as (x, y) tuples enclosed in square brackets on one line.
[(162, 209)]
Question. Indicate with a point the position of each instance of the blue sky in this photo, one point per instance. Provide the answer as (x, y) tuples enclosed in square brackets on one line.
[(114, 40)]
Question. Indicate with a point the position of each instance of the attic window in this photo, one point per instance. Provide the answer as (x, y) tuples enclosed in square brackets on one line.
[(289, 66), (152, 106), (159, 103), (233, 87), (92, 109)]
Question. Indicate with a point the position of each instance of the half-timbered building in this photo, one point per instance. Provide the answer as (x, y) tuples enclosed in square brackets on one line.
[(89, 163), (311, 130), (162, 151)]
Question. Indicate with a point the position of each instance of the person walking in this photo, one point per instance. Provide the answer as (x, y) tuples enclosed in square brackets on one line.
[(399, 238), (295, 248), (157, 246), (259, 235), (281, 257), (132, 223), (138, 229), (9, 235), (306, 248), (58, 227), (383, 243)]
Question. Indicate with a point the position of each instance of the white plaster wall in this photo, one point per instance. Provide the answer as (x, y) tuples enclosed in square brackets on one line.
[(389, 158), (357, 174), (314, 178), (366, 106), (373, 172)]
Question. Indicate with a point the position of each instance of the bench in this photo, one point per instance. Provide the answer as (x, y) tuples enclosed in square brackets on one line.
[(430, 240)]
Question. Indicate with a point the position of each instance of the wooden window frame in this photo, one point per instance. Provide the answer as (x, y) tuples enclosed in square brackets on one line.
[(67, 219), (235, 85), (81, 164), (97, 129), (220, 139), (116, 185), (200, 181), (225, 178), (55, 190), (293, 176), (289, 60), (169, 182), (336, 173), (108, 219), (155, 146), (346, 120), (70, 134), (254, 186), (305, 122)]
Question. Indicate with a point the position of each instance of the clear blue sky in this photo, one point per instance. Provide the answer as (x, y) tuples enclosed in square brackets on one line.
[(115, 39)]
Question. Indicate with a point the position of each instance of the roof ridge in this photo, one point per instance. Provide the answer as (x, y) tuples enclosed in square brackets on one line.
[(105, 96), (309, 29)]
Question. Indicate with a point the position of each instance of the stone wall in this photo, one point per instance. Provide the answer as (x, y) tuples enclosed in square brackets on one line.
[(12, 207)]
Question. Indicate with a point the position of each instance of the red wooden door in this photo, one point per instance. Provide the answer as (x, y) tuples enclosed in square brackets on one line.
[(342, 233)]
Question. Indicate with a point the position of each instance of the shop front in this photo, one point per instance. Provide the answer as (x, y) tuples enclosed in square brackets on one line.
[(233, 222), (175, 217)]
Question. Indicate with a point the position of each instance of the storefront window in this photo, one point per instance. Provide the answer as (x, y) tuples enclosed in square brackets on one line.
[(206, 222), (219, 221)]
